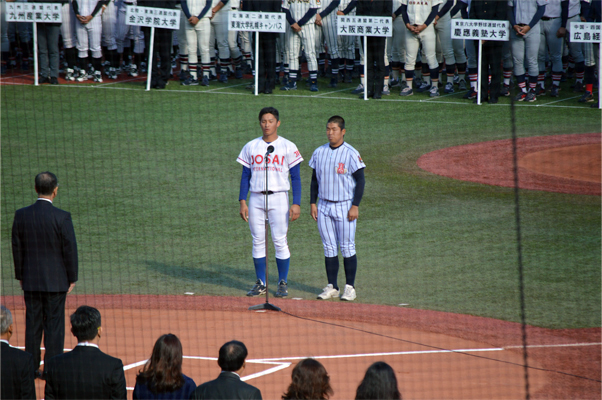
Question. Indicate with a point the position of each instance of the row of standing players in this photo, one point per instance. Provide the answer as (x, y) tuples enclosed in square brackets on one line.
[(415, 58), (86, 372)]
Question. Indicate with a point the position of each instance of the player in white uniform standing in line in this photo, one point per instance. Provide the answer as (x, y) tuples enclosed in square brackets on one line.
[(284, 159), (326, 18), (301, 16), (198, 14), (338, 180), (109, 33), (88, 28), (418, 17)]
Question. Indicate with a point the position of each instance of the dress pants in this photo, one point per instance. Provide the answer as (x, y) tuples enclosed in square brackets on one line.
[(48, 49), (162, 45), (267, 61), (491, 61), (376, 64), (45, 313)]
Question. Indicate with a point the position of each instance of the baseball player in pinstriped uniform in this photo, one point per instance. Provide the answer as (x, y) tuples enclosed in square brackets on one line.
[(284, 159), (219, 30), (326, 18), (346, 44), (524, 16), (301, 15), (338, 180), (443, 30), (418, 16), (396, 48), (88, 28), (572, 13), (69, 39)]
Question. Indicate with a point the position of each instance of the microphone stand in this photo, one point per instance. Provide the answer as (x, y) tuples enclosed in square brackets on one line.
[(266, 305)]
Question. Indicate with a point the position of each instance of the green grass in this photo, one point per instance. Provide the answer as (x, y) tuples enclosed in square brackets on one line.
[(151, 180)]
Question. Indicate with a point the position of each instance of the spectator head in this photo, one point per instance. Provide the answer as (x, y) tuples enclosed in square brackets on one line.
[(6, 323), (337, 120), (309, 380), (232, 356), (163, 371), (269, 110), (46, 183), (85, 323), (378, 383)]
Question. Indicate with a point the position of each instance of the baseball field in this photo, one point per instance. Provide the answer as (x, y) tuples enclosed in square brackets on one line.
[(152, 183)]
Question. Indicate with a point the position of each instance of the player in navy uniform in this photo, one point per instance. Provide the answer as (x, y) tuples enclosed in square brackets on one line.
[(338, 180)]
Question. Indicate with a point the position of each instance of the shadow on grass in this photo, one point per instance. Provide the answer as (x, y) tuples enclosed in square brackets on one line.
[(229, 277)]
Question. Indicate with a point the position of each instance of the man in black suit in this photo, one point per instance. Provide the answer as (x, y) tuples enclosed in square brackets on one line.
[(45, 256), (17, 365), (85, 372), (228, 385), (266, 79), (491, 60), (375, 80)]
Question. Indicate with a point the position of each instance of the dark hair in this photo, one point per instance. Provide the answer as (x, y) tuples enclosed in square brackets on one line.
[(309, 380), (85, 322), (378, 383), (6, 319), (163, 371), (337, 120), (45, 183), (269, 110), (232, 356)]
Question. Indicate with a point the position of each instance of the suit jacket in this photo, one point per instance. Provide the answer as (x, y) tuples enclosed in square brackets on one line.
[(142, 391), (85, 373), (488, 9), (44, 248), (227, 386), (381, 8), (17, 374)]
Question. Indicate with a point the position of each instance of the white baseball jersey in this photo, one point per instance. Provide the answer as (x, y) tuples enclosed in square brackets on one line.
[(419, 10), (285, 156), (334, 169), (299, 8)]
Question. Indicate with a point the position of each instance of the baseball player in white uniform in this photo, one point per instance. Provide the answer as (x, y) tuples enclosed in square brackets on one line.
[(418, 17), (198, 13), (88, 28), (127, 33), (69, 39), (338, 180), (346, 44), (301, 15), (283, 159), (326, 18)]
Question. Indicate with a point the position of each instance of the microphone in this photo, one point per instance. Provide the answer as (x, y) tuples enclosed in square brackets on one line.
[(270, 150)]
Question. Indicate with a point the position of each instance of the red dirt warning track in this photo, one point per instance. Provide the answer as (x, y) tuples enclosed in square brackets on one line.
[(347, 338), (561, 163)]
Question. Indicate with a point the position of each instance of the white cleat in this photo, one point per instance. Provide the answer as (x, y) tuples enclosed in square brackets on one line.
[(349, 294), (328, 292)]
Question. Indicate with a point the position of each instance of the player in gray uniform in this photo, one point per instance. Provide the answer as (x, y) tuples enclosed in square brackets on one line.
[(301, 16), (69, 39), (524, 17), (444, 43), (326, 18), (571, 12), (125, 35), (550, 43), (338, 181), (346, 44), (109, 32)]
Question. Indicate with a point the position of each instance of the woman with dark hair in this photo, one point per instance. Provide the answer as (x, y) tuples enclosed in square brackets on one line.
[(162, 377), (378, 383), (309, 381)]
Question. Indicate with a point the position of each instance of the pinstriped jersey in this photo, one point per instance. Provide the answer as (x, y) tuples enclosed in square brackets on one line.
[(334, 170), (285, 156), (299, 8)]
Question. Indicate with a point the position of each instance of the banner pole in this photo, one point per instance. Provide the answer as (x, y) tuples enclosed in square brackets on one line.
[(151, 55), (479, 77), (35, 54)]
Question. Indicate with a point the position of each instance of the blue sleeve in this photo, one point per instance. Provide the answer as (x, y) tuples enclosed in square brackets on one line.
[(296, 182), (204, 10), (360, 183), (310, 13), (334, 4), (564, 12), (397, 12), (185, 9), (511, 17), (404, 13), (350, 7), (584, 9), (432, 15), (448, 5), (245, 181), (289, 17), (541, 10)]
